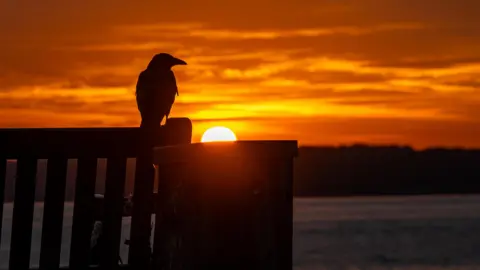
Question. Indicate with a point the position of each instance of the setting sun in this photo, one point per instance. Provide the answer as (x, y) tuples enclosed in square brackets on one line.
[(218, 134)]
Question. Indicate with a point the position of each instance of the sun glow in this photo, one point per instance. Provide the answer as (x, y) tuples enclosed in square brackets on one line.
[(218, 134)]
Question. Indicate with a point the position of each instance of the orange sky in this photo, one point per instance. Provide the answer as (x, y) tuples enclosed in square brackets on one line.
[(320, 71)]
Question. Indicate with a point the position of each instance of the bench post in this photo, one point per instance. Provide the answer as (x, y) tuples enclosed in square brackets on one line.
[(225, 205), (177, 131)]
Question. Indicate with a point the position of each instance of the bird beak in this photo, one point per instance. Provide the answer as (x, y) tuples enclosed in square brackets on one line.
[(177, 61)]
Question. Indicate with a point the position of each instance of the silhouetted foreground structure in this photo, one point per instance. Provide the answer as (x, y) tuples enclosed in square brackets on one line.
[(218, 206), (225, 205), (86, 145)]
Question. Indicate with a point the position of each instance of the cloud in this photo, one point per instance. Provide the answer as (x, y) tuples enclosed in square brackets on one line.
[(345, 130), (148, 46), (200, 31), (370, 69)]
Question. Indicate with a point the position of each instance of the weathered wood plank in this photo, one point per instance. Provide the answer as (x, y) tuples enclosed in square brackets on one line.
[(22, 220), (139, 252), (179, 132), (83, 212), (98, 142), (226, 191), (281, 186), (113, 212), (72, 142), (3, 172), (53, 213), (163, 233)]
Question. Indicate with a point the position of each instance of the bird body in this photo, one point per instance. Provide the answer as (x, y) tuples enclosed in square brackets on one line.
[(156, 90), (155, 96)]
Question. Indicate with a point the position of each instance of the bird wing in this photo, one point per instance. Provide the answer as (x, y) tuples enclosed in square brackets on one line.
[(174, 84), (155, 95), (147, 100), (169, 91), (145, 90)]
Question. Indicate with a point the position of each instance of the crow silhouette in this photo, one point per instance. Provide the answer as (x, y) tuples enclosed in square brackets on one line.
[(156, 89)]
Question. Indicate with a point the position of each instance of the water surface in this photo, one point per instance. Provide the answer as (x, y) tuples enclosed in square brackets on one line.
[(404, 233)]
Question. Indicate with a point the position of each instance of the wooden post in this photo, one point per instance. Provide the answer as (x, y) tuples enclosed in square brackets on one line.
[(176, 131), (225, 205)]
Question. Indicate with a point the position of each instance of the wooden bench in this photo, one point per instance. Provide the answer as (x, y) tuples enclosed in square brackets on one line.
[(86, 145), (218, 206)]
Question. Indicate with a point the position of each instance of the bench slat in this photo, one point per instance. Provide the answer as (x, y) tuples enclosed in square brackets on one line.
[(53, 213), (139, 253), (281, 198), (22, 220), (113, 211), (3, 172), (83, 213)]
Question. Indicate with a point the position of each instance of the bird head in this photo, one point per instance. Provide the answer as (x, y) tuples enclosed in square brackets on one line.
[(164, 61)]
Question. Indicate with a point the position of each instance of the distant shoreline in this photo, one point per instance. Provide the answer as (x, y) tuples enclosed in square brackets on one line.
[(366, 196), (345, 171)]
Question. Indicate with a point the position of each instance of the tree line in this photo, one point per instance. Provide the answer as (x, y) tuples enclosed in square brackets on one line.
[(339, 171)]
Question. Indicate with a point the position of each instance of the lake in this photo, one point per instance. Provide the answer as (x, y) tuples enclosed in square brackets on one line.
[(410, 232)]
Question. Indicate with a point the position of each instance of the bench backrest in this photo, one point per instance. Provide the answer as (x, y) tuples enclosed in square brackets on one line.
[(86, 145)]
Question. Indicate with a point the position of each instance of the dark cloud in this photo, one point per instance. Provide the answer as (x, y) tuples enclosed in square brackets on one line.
[(57, 104), (468, 83), (427, 63), (333, 76)]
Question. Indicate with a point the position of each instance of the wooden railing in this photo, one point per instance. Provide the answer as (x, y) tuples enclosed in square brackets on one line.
[(86, 145), (224, 206)]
